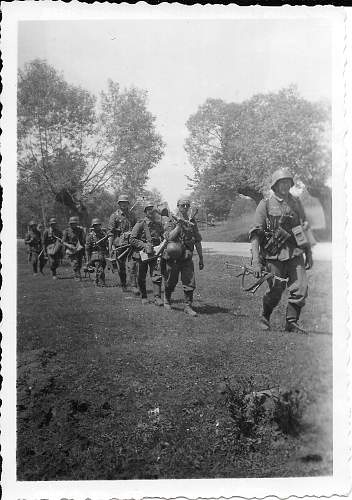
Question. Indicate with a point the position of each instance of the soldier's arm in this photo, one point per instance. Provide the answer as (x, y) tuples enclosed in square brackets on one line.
[(173, 230), (198, 244), (256, 235), (135, 240)]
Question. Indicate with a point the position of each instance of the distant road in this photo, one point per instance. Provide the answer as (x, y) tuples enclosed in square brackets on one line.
[(321, 251)]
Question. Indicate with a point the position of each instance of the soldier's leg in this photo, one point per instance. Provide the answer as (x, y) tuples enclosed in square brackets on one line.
[(272, 297), (132, 270), (172, 270), (35, 263), (155, 273), (189, 284), (297, 289), (75, 266), (42, 262), (142, 277), (122, 271)]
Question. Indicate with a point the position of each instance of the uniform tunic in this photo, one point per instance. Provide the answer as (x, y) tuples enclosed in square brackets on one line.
[(97, 252), (33, 241), (75, 236), (144, 232), (49, 241), (288, 261), (119, 228), (189, 235)]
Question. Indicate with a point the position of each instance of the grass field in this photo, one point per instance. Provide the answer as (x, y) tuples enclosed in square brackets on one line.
[(110, 389)]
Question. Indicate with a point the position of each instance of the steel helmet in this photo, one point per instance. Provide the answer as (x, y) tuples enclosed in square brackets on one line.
[(96, 221), (174, 250), (281, 173), (32, 223), (148, 204), (53, 221), (182, 200), (123, 197), (73, 220)]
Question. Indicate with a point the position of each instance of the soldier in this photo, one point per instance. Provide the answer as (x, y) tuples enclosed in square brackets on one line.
[(121, 223), (35, 250), (145, 235), (96, 250), (184, 234), (73, 239), (52, 245), (275, 249)]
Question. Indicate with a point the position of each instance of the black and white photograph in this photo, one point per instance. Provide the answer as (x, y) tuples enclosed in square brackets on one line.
[(175, 271)]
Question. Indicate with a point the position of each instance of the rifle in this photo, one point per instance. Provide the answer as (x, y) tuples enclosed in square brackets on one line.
[(158, 251), (247, 270), (72, 248)]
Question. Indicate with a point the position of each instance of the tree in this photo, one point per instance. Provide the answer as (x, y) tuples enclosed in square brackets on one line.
[(255, 138), (69, 153), (55, 120), (129, 131)]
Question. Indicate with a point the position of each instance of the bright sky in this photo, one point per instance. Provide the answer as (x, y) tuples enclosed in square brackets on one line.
[(181, 63)]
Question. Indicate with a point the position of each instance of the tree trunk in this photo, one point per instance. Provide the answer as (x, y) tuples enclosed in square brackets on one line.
[(323, 194), (257, 196)]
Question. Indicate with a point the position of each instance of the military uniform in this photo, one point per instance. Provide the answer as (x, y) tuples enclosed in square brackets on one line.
[(52, 247), (33, 241), (280, 254), (96, 252), (188, 237), (147, 233), (75, 236), (119, 228)]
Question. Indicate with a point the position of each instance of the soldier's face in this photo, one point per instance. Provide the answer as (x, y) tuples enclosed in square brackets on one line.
[(96, 227), (283, 187), (149, 212), (73, 225), (124, 205), (184, 208)]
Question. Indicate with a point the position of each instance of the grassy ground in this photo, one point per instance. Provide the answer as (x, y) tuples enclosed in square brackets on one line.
[(108, 389)]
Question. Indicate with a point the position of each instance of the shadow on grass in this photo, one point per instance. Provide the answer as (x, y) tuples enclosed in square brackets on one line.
[(212, 309)]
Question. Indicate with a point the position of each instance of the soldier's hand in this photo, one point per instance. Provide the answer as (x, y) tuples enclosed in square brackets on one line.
[(149, 248), (201, 264), (257, 268), (309, 260)]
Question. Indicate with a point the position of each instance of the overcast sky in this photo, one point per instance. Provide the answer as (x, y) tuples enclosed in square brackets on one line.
[(182, 63)]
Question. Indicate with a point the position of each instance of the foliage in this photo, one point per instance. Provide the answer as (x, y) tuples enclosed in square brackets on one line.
[(68, 153), (234, 148), (129, 131)]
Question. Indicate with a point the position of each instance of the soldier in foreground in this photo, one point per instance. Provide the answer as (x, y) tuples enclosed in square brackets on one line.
[(96, 251), (121, 223), (275, 249), (35, 250), (73, 239), (52, 245), (183, 234), (145, 235)]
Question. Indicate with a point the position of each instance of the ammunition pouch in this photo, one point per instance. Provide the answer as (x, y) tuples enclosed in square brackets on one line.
[(276, 240)]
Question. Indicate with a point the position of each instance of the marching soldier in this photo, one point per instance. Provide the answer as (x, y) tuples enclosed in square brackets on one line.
[(35, 249), (183, 234), (96, 251), (73, 239), (52, 246), (275, 248), (145, 235), (121, 223)]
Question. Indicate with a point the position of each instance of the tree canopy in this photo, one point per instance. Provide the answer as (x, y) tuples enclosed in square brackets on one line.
[(67, 151), (235, 147)]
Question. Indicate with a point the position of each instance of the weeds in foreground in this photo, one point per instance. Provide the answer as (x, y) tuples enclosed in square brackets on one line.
[(256, 413)]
